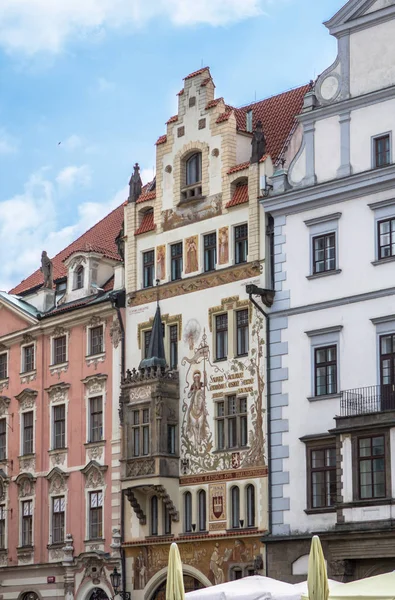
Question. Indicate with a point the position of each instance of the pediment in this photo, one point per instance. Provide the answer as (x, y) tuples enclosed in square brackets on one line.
[(13, 319), (360, 13)]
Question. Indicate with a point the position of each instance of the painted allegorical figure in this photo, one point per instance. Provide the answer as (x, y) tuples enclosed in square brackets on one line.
[(197, 425), (192, 261), (223, 238), (161, 262)]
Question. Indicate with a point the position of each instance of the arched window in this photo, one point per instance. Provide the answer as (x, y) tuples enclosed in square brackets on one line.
[(79, 278), (194, 169), (188, 512), (235, 506), (166, 520), (154, 515), (30, 596), (250, 504), (202, 510)]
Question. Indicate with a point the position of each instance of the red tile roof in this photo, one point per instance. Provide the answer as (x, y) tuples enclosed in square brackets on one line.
[(197, 72), (240, 196), (161, 140), (144, 196), (224, 117), (147, 224), (239, 167), (213, 103), (205, 81), (277, 115), (172, 120), (180, 93)]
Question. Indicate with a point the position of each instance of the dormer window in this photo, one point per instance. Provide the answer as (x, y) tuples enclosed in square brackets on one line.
[(194, 169), (79, 278)]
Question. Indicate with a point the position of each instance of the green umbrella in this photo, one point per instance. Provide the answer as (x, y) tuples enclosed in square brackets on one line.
[(317, 579), (175, 581)]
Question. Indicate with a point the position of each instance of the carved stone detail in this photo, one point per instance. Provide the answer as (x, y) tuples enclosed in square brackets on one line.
[(4, 385), (95, 321), (57, 481), (134, 503), (58, 370), (27, 463), (161, 491), (94, 360), (27, 339), (58, 393), (4, 404), (140, 393), (116, 543), (94, 475), (94, 570), (28, 378), (26, 485), (3, 559), (27, 399), (77, 261), (58, 331), (58, 458), (140, 467), (68, 549), (95, 452), (25, 556), (115, 333), (56, 554), (95, 384)]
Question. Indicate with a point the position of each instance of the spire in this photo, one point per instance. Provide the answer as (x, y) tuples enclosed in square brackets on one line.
[(135, 184), (156, 349)]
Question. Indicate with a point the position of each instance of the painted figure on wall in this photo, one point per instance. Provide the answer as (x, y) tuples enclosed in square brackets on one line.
[(191, 252), (197, 425), (141, 571), (161, 262), (192, 333), (223, 238)]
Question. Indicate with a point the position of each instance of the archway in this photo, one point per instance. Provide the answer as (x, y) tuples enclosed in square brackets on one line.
[(98, 594), (190, 584)]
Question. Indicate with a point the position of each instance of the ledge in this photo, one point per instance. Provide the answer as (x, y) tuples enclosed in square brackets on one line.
[(57, 451), (371, 502), (328, 397), (383, 261), (319, 511), (324, 274), (92, 444)]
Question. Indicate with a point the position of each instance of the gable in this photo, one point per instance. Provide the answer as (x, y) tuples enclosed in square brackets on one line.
[(379, 4), (10, 321), (357, 14)]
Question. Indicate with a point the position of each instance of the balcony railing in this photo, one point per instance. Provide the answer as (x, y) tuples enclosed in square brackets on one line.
[(367, 400)]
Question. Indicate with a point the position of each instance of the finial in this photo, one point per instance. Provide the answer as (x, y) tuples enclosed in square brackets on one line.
[(135, 184)]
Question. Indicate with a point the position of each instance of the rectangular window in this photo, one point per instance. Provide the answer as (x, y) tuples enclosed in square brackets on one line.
[(59, 350), (96, 340), (171, 439), (386, 238), (232, 423), (148, 268), (382, 151), (136, 433), (27, 523), (173, 330), (210, 252), (95, 515), (27, 432), (325, 369), (3, 439), (2, 527), (28, 358), (242, 332), (145, 431), (140, 432), (147, 338), (221, 337), (241, 244), (324, 253), (58, 510), (323, 477), (95, 419), (176, 261), (371, 459), (59, 426), (166, 520), (221, 425), (3, 366)]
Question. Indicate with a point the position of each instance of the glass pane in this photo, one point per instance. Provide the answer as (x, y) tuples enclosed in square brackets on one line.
[(386, 344), (317, 459), (330, 456), (378, 445), (364, 447)]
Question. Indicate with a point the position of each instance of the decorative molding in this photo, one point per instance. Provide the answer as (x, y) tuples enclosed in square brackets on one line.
[(27, 338), (140, 393), (140, 467), (57, 480), (4, 404), (56, 554), (382, 204), (58, 393), (27, 463), (27, 398), (4, 384), (96, 451), (58, 457), (95, 360), (136, 506), (323, 219), (95, 384), (28, 377), (324, 330), (94, 474), (95, 321), (58, 369), (26, 484), (58, 331), (386, 319), (197, 283), (166, 319), (231, 303), (3, 558), (115, 333), (224, 476), (25, 554)]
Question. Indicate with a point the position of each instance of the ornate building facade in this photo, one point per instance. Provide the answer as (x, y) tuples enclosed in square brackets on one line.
[(60, 371), (194, 453)]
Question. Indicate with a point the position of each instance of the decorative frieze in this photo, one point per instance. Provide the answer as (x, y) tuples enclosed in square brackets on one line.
[(140, 467), (27, 463), (58, 457), (28, 377), (95, 384)]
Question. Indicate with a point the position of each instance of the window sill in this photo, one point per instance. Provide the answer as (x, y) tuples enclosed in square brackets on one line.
[(95, 541), (98, 443), (25, 456), (4, 382), (57, 451), (324, 397), (92, 356), (243, 529), (56, 546), (220, 359), (23, 549), (323, 274), (319, 511), (28, 376), (191, 200), (241, 355), (27, 373), (370, 502), (383, 261)]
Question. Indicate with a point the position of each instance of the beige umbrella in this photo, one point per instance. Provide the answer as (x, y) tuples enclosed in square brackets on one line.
[(175, 581), (317, 579)]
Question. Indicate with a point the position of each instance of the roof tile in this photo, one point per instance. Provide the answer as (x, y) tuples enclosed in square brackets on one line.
[(240, 196), (197, 72), (239, 167), (161, 140), (146, 196), (147, 224), (224, 116), (173, 119), (213, 103)]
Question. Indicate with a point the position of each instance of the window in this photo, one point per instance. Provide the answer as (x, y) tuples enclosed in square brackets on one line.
[(173, 330), (3, 366), (2, 527), (95, 515), (324, 253), (236, 573), (232, 423), (241, 244), (187, 512), (27, 523), (171, 439), (210, 252), (325, 367), (59, 350), (235, 507), (95, 419), (386, 237), (382, 151), (322, 467), (27, 432), (148, 268), (58, 509), (154, 515), (59, 426), (96, 340), (79, 278), (176, 261), (28, 358), (3, 439), (371, 460), (194, 169), (249, 121), (202, 506), (147, 338), (242, 332), (250, 505), (166, 520), (140, 432), (221, 337)]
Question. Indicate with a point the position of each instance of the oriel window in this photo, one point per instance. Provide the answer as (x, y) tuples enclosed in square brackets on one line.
[(148, 268), (176, 261), (210, 252)]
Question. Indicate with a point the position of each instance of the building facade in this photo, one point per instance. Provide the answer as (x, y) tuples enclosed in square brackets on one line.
[(333, 441), (194, 456), (60, 374)]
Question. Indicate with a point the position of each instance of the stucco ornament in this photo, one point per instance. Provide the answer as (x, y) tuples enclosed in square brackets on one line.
[(94, 478), (95, 452), (68, 549), (4, 404), (115, 333)]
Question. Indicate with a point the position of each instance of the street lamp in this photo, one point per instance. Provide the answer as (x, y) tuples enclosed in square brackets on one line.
[(116, 584)]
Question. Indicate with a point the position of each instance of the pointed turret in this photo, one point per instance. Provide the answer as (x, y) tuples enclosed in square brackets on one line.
[(156, 348), (135, 184)]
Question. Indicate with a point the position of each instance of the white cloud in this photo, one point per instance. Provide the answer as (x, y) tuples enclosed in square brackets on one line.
[(147, 175), (72, 176), (8, 144), (31, 26)]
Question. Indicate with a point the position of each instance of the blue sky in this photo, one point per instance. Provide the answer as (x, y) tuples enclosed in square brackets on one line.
[(101, 77)]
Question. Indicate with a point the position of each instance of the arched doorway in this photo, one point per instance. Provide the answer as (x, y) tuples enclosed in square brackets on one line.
[(98, 594), (190, 584)]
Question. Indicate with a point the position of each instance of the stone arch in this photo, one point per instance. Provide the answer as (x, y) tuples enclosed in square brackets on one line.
[(161, 576), (86, 588), (35, 595), (179, 167)]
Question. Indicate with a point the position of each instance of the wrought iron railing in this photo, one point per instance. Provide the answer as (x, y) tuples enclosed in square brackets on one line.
[(371, 399)]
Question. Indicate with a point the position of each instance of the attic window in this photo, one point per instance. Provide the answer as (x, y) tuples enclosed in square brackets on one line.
[(79, 278), (194, 169), (192, 101), (249, 121)]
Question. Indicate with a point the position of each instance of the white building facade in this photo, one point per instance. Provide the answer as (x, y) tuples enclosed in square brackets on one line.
[(332, 442)]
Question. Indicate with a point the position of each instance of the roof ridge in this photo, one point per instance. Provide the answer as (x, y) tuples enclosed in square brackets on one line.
[(292, 89)]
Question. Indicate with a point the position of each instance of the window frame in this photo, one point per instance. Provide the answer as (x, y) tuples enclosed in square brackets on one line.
[(55, 408), (25, 347), (148, 269), (173, 345), (4, 354), (250, 515), (235, 507), (54, 339), (326, 364), (54, 519), (91, 331), (237, 241), (154, 516), (79, 278), (374, 140), (238, 327), (187, 506), (209, 252), (3, 438), (386, 458), (140, 425), (93, 510), (27, 520), (324, 236), (391, 235), (24, 428), (91, 413), (3, 527), (201, 510), (177, 261), (224, 331), (240, 417), (198, 168)]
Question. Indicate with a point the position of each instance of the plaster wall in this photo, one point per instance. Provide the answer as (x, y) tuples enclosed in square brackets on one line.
[(243, 148), (327, 148)]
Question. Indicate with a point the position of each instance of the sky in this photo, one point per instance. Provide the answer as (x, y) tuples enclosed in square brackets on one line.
[(86, 87)]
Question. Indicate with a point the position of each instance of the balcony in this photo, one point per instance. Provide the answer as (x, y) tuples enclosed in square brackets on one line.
[(367, 400)]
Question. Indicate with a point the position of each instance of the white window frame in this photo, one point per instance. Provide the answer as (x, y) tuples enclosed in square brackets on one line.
[(52, 341), (320, 338), (93, 393), (3, 506), (23, 346), (87, 516), (168, 250), (201, 242), (232, 243), (22, 429), (54, 405), (50, 522), (373, 149), (319, 226), (382, 211), (22, 500), (5, 417), (88, 340), (7, 353)]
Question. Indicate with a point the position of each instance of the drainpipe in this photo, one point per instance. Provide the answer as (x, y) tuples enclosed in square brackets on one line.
[(250, 291)]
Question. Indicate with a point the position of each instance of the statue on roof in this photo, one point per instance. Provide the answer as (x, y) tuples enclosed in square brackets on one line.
[(120, 242), (47, 270), (135, 184), (258, 143)]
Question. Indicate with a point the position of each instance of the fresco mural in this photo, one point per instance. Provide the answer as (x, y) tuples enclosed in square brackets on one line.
[(191, 253), (207, 208), (223, 242), (161, 262)]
